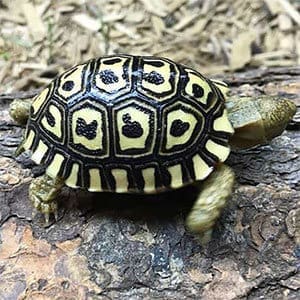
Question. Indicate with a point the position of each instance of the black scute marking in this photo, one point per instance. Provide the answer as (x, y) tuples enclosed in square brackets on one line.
[(108, 77), (50, 119), (210, 98), (86, 130), (68, 85), (198, 90), (112, 61), (178, 128), (154, 78), (131, 129), (155, 63)]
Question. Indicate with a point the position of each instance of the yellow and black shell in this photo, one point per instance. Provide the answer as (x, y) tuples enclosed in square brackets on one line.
[(129, 124)]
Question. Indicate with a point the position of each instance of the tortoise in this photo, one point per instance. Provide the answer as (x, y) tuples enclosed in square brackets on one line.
[(142, 124)]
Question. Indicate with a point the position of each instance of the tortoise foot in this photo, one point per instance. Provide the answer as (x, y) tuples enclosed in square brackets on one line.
[(43, 192), (45, 208)]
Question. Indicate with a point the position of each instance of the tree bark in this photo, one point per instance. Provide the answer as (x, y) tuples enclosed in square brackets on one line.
[(107, 246)]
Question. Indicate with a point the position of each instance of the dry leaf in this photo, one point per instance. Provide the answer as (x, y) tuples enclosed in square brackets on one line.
[(34, 21), (273, 6), (156, 7), (87, 22), (285, 22), (290, 10), (241, 50)]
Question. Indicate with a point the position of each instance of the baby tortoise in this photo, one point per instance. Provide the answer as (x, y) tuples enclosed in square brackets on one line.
[(130, 124)]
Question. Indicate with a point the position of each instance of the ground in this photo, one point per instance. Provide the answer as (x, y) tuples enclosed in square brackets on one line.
[(107, 246)]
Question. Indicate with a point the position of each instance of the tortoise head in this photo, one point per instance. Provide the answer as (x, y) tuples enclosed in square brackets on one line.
[(258, 120)]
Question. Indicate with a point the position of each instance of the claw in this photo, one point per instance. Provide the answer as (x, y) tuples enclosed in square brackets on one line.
[(42, 193), (55, 215), (46, 216), (34, 213), (205, 237)]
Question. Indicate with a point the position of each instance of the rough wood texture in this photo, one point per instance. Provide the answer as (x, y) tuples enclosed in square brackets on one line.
[(127, 247)]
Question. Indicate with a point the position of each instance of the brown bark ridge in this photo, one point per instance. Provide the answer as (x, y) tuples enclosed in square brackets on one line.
[(107, 246)]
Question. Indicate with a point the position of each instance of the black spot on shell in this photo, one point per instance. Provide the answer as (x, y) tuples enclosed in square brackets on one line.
[(108, 77), (87, 130), (178, 128), (154, 78), (68, 85), (50, 118), (197, 90), (131, 129)]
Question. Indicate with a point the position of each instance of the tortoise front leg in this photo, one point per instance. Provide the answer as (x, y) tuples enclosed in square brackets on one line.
[(19, 110), (212, 198), (42, 193)]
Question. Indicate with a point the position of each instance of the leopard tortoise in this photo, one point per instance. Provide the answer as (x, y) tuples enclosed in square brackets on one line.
[(132, 124)]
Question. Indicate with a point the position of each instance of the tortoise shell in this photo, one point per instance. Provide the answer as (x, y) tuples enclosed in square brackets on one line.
[(129, 124)]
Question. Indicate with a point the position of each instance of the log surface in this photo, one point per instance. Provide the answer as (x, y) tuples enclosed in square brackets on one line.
[(106, 246)]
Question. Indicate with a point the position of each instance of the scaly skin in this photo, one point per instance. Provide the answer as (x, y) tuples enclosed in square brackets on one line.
[(213, 194), (43, 191), (257, 120), (19, 110)]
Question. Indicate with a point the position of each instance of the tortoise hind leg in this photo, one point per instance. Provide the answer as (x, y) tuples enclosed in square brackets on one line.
[(19, 110), (212, 198), (42, 193)]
